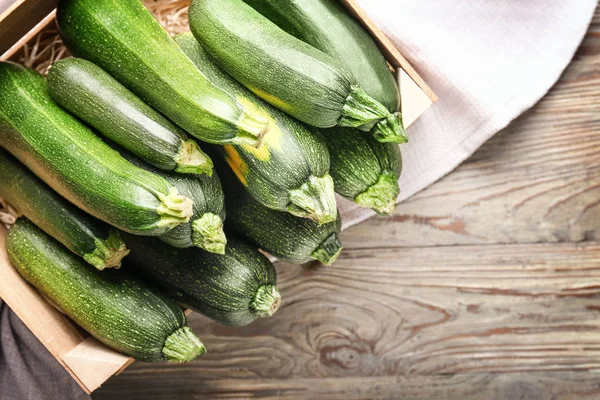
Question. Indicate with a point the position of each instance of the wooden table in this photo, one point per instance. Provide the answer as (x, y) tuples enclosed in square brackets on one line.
[(484, 286)]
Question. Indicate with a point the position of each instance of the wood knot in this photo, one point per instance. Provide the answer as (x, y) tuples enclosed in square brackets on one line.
[(347, 356)]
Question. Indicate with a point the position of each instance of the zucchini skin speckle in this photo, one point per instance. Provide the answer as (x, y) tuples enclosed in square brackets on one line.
[(326, 25), (288, 73), (115, 308), (77, 164), (95, 241), (92, 95), (222, 287), (123, 38), (291, 155)]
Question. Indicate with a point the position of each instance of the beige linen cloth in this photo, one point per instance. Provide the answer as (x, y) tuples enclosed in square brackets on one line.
[(487, 60)]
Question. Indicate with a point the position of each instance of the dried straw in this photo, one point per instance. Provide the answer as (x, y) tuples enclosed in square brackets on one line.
[(47, 47)]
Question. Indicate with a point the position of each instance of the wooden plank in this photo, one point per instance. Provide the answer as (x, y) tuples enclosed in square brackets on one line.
[(591, 44), (8, 55), (20, 18), (391, 53), (537, 181), (404, 312), (528, 386)]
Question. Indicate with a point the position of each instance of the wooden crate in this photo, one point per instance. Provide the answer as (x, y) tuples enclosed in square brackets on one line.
[(89, 362)]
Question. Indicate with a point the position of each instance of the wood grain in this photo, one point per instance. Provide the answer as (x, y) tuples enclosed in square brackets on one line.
[(484, 286), (88, 362), (400, 315), (536, 181)]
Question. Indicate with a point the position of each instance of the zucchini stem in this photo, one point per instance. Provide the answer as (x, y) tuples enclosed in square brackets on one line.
[(252, 129), (192, 160), (208, 234), (182, 346), (266, 301), (329, 250), (315, 200), (381, 196), (108, 253), (390, 130), (174, 209), (361, 109)]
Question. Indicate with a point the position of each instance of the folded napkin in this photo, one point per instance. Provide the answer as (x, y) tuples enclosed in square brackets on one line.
[(488, 61)]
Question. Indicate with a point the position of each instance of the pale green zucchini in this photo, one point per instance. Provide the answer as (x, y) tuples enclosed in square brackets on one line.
[(327, 25), (92, 95), (285, 71), (289, 172), (124, 39)]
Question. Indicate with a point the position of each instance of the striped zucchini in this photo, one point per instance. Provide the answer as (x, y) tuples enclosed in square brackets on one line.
[(124, 39), (326, 25), (205, 228), (79, 165), (364, 170), (92, 95), (98, 244), (117, 310), (233, 289), (292, 239), (289, 172), (284, 71)]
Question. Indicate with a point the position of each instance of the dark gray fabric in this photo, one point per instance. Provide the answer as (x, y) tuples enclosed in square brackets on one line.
[(27, 370)]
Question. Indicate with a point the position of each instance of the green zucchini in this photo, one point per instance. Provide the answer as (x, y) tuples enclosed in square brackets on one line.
[(205, 228), (77, 164), (92, 95), (363, 169), (123, 38), (94, 241), (233, 289), (292, 239), (116, 309), (284, 71), (289, 172), (327, 25)]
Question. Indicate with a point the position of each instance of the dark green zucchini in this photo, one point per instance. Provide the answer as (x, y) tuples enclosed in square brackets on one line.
[(327, 25), (363, 169), (89, 238), (77, 164), (205, 228), (292, 239), (285, 71), (289, 172), (92, 95), (116, 309), (233, 289), (124, 39)]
